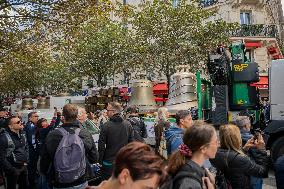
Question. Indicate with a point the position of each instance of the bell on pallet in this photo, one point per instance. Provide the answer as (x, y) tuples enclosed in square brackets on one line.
[(142, 96), (182, 95), (27, 103), (42, 103)]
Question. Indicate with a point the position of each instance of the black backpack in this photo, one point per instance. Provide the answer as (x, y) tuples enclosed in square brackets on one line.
[(170, 183), (136, 124)]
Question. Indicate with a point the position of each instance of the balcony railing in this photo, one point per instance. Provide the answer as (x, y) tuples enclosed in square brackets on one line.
[(207, 3), (256, 30)]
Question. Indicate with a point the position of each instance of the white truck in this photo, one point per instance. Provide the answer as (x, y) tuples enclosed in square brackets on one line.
[(274, 132)]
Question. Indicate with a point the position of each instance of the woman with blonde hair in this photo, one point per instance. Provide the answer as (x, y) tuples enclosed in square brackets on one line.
[(161, 123), (236, 166)]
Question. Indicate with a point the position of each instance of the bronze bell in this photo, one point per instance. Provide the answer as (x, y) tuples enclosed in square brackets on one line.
[(42, 104), (47, 100), (142, 96), (182, 95), (27, 103)]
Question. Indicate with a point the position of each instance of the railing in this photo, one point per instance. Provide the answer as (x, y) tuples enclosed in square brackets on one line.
[(256, 30), (207, 3)]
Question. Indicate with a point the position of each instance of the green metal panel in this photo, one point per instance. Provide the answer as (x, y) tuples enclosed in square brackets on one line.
[(240, 94), (199, 94)]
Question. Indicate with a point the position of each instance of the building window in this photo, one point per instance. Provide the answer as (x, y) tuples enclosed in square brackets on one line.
[(245, 18), (250, 55)]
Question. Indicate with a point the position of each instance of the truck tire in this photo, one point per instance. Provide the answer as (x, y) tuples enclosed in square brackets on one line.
[(277, 148)]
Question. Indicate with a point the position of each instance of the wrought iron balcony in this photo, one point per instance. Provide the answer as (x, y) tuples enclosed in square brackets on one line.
[(207, 3), (256, 30)]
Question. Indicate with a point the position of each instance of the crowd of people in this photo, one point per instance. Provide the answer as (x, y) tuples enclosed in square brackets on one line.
[(64, 154)]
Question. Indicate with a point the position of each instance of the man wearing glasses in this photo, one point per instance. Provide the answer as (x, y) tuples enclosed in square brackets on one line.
[(115, 133), (30, 130), (14, 154)]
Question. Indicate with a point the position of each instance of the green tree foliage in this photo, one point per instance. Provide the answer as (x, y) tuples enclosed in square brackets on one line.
[(167, 36), (51, 44)]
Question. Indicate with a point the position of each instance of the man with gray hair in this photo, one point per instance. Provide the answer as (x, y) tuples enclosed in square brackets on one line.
[(243, 122), (87, 123), (115, 133)]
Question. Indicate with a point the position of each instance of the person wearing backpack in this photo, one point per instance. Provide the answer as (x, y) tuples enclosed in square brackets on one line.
[(236, 166), (174, 134), (139, 127), (200, 143), (14, 154), (115, 134), (68, 152)]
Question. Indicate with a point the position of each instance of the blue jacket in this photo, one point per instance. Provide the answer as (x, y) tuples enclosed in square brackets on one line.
[(30, 133), (173, 136)]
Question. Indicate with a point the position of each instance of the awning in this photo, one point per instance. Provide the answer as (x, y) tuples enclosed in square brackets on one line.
[(158, 99), (160, 88), (250, 44), (262, 84)]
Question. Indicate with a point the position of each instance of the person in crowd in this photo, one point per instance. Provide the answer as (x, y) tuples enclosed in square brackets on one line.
[(236, 166), (174, 134), (42, 130), (56, 120), (14, 154), (94, 117), (161, 123), (51, 163), (266, 110), (136, 166), (115, 134), (86, 122), (244, 124), (185, 165), (139, 127), (103, 118), (30, 129), (279, 171), (3, 117)]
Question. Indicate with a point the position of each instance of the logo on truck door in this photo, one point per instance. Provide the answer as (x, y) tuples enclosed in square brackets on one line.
[(240, 67)]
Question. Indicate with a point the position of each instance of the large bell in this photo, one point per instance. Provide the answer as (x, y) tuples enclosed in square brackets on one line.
[(182, 95), (42, 103), (142, 96), (27, 103)]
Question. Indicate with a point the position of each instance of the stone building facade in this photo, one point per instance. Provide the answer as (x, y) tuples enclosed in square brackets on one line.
[(261, 29)]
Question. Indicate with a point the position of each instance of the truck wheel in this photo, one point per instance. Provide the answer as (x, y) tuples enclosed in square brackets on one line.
[(277, 148)]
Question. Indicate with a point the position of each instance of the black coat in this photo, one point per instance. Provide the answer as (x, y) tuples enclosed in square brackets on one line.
[(114, 134), (21, 152), (49, 149), (238, 168), (139, 127)]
